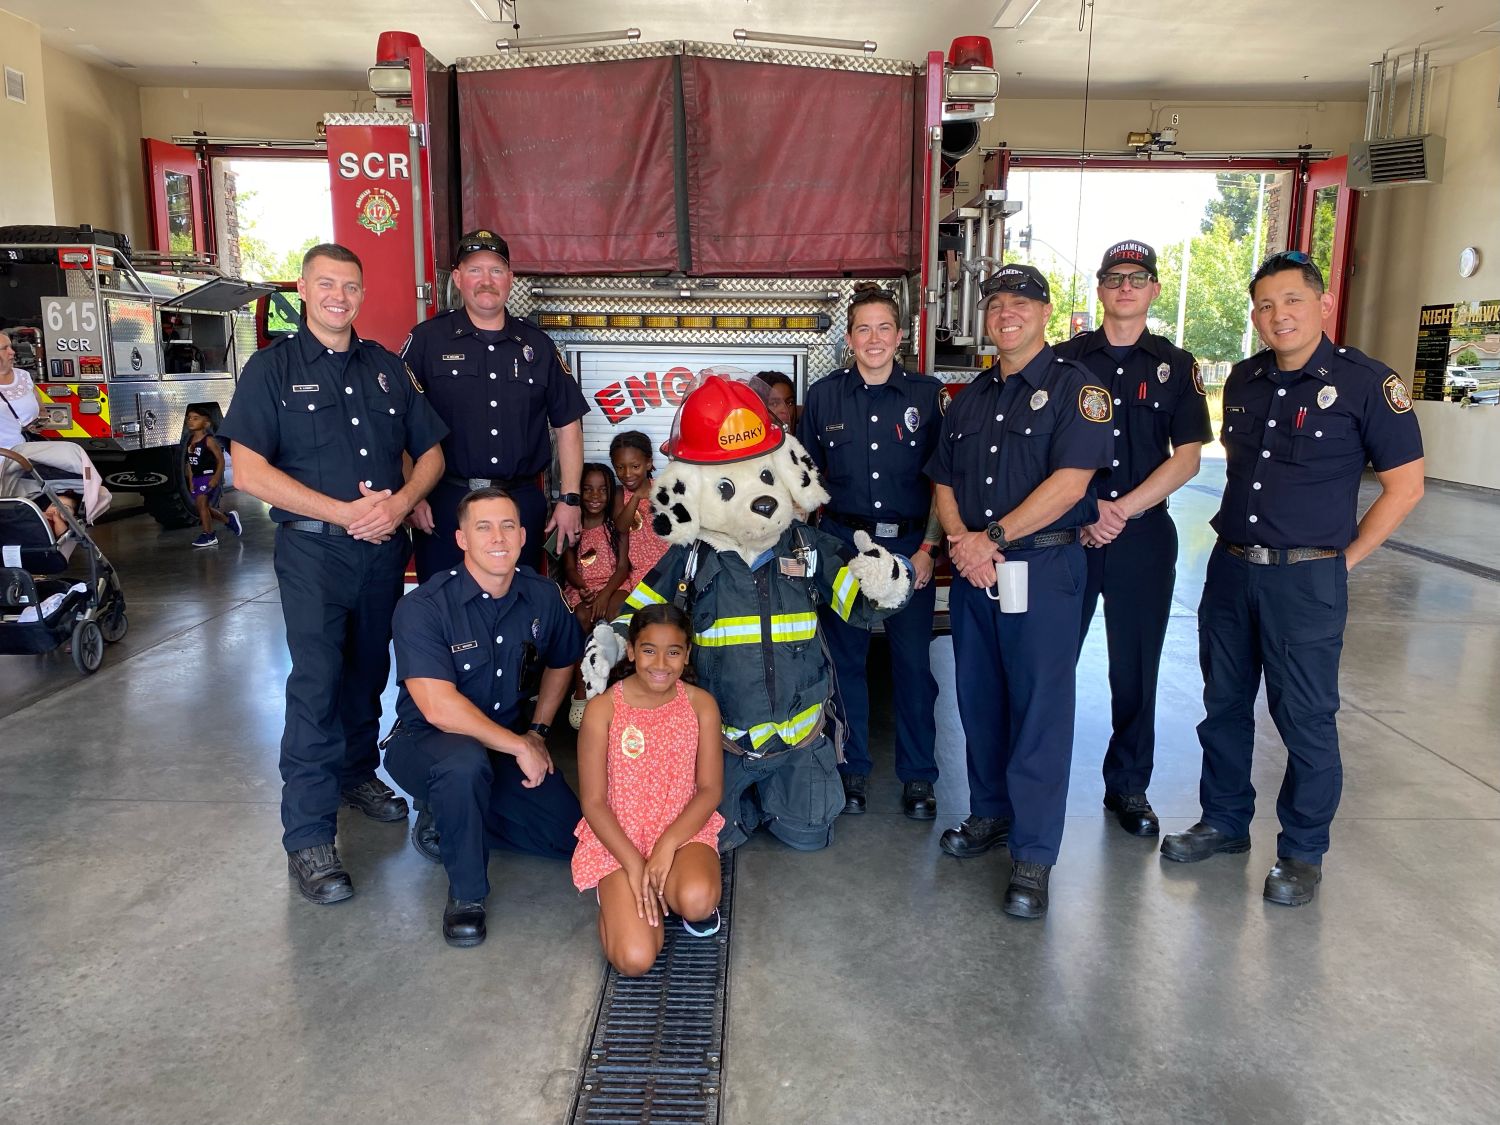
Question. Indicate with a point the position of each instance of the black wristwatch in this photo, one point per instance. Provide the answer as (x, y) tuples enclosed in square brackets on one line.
[(997, 535), (543, 729), (571, 499)]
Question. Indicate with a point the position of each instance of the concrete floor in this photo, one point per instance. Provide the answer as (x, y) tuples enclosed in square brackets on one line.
[(158, 968)]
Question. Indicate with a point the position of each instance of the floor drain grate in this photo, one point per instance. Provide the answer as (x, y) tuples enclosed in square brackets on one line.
[(657, 1051)]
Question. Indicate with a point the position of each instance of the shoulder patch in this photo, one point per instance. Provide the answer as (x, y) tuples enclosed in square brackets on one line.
[(562, 360), (945, 397), (412, 376), (1094, 404), (1198, 381), (405, 346), (1397, 397)]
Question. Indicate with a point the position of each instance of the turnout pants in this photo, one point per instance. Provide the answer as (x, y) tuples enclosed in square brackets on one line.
[(1016, 677), (337, 596), (477, 802), (1135, 575), (796, 796), (1287, 623), (910, 635), (439, 551)]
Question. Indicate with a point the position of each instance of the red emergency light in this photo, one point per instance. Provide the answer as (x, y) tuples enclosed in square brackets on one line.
[(971, 50), (396, 46)]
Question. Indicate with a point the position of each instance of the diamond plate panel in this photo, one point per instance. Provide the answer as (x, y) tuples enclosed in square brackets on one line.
[(735, 52), (389, 117)]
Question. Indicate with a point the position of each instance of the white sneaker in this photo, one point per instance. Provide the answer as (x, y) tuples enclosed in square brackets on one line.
[(575, 712)]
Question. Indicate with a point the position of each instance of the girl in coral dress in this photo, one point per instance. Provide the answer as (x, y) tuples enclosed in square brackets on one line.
[(596, 566), (630, 453), (651, 773)]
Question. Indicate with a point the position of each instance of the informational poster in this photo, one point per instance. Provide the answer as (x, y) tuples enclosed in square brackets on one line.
[(1458, 348)]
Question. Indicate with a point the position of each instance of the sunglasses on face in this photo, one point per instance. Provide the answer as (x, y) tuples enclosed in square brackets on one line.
[(1138, 279)]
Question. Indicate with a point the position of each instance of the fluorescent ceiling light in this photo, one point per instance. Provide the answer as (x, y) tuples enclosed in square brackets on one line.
[(1013, 13)]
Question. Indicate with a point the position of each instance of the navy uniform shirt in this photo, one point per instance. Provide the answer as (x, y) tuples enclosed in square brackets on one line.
[(330, 419), (1297, 442), (1002, 438), (497, 390), (1158, 399), (450, 629), (872, 443)]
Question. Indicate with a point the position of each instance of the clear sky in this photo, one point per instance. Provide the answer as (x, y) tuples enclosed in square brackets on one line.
[(291, 199)]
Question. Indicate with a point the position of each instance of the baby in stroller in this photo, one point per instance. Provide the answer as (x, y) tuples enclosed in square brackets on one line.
[(49, 493)]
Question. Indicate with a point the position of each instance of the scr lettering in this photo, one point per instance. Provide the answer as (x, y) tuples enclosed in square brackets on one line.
[(375, 165)]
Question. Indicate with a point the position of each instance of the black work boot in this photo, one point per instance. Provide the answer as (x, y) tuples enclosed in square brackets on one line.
[(1133, 812), (917, 800), (1199, 842), (1292, 882), (1026, 897), (424, 835), (975, 836), (463, 921), (320, 874), (854, 792), (376, 800)]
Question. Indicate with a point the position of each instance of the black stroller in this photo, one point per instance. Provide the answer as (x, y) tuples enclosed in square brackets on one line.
[(39, 615)]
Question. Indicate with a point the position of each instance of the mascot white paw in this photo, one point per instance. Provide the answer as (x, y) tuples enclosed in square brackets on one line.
[(886, 579), (604, 650)]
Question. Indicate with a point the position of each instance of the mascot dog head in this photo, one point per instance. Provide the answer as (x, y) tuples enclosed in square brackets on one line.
[(736, 481)]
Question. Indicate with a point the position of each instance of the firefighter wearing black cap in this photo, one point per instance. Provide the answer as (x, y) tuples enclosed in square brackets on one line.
[(1018, 451), (499, 383), (1161, 422)]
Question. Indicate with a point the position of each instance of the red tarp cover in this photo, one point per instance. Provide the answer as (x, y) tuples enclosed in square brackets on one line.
[(798, 171), (573, 165)]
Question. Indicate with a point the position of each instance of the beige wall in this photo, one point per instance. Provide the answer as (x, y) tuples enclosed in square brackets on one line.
[(1406, 256), (261, 114), (94, 125), (26, 176)]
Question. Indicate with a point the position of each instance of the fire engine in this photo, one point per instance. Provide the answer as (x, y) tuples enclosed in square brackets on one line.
[(120, 345)]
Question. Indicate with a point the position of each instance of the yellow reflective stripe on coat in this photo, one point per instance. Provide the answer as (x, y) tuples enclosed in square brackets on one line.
[(746, 630), (642, 596), (793, 731), (845, 590)]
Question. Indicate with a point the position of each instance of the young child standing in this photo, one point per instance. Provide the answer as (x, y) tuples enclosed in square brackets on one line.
[(651, 773), (630, 453), (205, 469), (596, 565)]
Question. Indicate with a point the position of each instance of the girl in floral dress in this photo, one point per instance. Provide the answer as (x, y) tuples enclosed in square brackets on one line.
[(651, 773), (630, 453), (596, 566)]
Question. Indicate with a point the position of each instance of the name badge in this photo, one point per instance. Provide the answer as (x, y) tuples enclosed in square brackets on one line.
[(454, 358), (833, 429), (465, 647), (792, 568), (887, 530), (304, 388)]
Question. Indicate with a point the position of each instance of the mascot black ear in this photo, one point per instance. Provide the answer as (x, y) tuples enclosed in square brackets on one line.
[(801, 475), (674, 495)]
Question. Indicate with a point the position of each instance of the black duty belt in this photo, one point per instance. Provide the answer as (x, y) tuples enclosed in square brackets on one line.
[(316, 527), (1277, 556), (1045, 539), (1147, 511), (881, 529), (508, 484)]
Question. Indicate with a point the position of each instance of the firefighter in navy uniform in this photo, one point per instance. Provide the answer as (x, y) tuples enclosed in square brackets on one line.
[(479, 781), (319, 424), (1161, 422), (1018, 451), (871, 429), (1301, 420), (499, 383)]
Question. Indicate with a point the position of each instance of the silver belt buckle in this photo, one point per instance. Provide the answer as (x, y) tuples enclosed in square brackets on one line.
[(478, 482), (887, 530), (1260, 556)]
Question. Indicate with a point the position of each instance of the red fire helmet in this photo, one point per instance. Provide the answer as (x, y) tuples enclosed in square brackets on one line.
[(720, 421)]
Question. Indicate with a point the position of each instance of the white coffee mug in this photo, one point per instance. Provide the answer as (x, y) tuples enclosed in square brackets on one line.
[(1010, 586)]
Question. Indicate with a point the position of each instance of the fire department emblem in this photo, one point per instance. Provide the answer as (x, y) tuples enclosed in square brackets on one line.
[(1039, 399), (384, 385), (1163, 372), (527, 353), (945, 396), (378, 210), (536, 626), (913, 419), (588, 558), (1396, 394), (632, 742), (1093, 404), (1327, 396)]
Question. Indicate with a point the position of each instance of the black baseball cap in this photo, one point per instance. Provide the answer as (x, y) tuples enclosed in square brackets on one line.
[(477, 240), (1129, 252), (1025, 280)]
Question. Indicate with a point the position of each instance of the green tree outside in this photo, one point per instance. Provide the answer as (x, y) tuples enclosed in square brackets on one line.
[(1466, 358)]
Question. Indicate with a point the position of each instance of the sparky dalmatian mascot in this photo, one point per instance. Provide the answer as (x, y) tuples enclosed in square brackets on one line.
[(751, 576)]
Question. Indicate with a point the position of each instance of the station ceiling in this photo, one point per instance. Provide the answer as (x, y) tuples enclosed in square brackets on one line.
[(1219, 49)]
